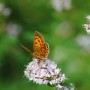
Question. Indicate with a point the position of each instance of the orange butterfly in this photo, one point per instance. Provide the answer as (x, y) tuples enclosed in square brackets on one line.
[(41, 48)]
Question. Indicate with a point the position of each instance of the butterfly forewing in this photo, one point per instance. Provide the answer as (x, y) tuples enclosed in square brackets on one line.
[(38, 41)]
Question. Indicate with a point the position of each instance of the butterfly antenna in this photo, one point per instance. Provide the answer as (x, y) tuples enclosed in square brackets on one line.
[(28, 58), (25, 48)]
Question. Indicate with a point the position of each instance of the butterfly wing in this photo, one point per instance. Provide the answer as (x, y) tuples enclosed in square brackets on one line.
[(40, 46), (38, 41), (44, 50)]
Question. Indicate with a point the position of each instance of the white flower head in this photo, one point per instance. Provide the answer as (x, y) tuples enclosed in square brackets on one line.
[(87, 25), (13, 29), (59, 5), (84, 42), (6, 12), (71, 87), (1, 7), (88, 17), (44, 72), (66, 88)]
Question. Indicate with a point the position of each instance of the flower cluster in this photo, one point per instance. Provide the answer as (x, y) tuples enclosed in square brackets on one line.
[(65, 88), (84, 42), (60, 5), (87, 25), (4, 10), (44, 72), (13, 29)]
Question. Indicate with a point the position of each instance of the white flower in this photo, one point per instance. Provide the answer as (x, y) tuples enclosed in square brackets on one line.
[(63, 77), (57, 71), (87, 25), (88, 17), (59, 86), (71, 87), (59, 5), (84, 42), (6, 12), (67, 4), (66, 88), (1, 7), (44, 72), (13, 29)]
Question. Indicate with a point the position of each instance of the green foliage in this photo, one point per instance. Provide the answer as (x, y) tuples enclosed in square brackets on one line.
[(60, 30)]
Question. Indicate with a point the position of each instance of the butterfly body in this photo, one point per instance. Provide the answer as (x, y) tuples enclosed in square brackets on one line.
[(41, 48)]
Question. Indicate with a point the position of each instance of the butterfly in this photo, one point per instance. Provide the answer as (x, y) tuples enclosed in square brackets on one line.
[(40, 47)]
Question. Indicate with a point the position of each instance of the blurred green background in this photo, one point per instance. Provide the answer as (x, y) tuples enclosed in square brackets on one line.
[(61, 27)]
